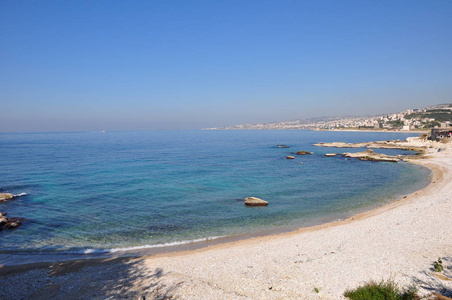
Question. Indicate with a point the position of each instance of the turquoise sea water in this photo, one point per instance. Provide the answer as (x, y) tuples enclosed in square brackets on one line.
[(109, 190)]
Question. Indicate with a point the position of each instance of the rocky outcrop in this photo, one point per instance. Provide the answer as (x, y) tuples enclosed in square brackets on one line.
[(253, 201), (6, 196), (9, 223), (419, 145), (375, 145), (372, 156)]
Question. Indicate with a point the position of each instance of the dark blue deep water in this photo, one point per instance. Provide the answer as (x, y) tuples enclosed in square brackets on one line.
[(107, 190)]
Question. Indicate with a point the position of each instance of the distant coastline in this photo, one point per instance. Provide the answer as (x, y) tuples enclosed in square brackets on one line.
[(420, 131), (406, 121)]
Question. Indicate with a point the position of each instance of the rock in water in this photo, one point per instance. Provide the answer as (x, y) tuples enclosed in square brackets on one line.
[(290, 157), (9, 223), (253, 201), (12, 223), (5, 196), (304, 153)]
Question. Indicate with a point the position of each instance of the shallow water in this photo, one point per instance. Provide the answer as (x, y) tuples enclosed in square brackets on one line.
[(110, 190)]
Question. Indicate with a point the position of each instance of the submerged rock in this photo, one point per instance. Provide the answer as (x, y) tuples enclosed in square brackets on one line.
[(6, 196), (253, 201), (12, 225), (282, 146), (9, 223)]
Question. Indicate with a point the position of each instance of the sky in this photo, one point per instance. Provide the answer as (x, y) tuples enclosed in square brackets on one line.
[(138, 65)]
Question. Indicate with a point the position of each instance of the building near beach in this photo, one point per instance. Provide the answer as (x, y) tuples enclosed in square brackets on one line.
[(442, 132)]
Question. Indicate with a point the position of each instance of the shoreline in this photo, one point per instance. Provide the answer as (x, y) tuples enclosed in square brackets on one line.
[(273, 262)]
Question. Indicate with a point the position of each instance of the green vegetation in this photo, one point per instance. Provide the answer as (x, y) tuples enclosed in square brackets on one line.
[(440, 115), (430, 124), (439, 110), (438, 265), (385, 290), (396, 123)]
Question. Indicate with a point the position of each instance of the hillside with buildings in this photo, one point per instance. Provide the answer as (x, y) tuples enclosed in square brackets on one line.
[(411, 119)]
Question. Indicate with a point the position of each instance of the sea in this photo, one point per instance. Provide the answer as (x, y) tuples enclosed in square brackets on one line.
[(100, 192)]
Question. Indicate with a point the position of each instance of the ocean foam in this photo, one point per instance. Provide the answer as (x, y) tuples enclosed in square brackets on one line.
[(99, 251), (113, 250), (143, 247), (20, 195)]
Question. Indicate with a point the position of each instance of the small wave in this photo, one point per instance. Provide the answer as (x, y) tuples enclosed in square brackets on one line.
[(100, 251), (143, 247), (20, 195), (84, 251), (113, 250)]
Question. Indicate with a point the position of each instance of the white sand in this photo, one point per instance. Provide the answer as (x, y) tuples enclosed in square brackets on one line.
[(399, 241)]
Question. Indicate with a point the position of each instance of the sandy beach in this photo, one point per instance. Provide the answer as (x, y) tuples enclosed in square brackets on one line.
[(399, 241)]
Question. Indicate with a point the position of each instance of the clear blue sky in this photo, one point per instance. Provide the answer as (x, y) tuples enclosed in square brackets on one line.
[(93, 65)]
